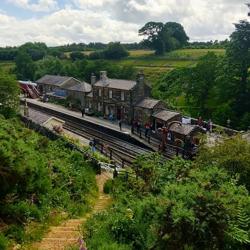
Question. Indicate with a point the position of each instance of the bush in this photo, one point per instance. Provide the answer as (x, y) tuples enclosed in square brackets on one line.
[(108, 186), (3, 242), (175, 205), (96, 55), (115, 51), (9, 99), (38, 176), (77, 55)]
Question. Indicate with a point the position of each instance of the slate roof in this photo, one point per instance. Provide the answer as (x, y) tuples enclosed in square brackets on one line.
[(185, 129), (82, 87), (147, 103), (165, 115), (116, 84), (54, 80)]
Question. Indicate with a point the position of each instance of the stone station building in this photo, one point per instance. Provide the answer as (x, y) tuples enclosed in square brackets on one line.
[(62, 87), (116, 98)]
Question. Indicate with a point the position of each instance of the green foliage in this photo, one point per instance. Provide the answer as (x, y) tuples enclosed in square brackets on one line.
[(38, 175), (35, 50), (9, 91), (76, 55), (176, 204), (115, 51), (232, 155), (216, 87), (108, 186), (25, 67), (163, 37), (3, 242)]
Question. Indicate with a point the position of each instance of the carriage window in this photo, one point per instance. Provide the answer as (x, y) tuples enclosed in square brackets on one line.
[(100, 92)]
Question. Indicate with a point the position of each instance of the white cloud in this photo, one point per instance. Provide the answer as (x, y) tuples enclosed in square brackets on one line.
[(66, 26), (83, 4), (39, 6), (119, 20)]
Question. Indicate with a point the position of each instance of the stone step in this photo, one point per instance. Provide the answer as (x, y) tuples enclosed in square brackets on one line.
[(55, 246), (60, 228), (73, 223), (63, 234), (59, 240)]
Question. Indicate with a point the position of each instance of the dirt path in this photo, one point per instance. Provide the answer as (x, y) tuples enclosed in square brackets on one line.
[(67, 234)]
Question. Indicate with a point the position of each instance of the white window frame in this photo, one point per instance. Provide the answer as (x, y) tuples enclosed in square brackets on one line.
[(100, 92), (99, 107), (110, 94), (122, 96)]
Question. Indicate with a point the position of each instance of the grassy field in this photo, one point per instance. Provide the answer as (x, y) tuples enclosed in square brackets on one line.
[(6, 66), (153, 65)]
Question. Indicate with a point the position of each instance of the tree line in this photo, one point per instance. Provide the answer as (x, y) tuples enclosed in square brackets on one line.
[(10, 53)]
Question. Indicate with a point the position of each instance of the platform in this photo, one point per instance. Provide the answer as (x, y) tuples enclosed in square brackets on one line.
[(100, 124), (100, 121)]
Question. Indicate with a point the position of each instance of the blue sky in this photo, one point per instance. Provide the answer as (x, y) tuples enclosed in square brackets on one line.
[(59, 22)]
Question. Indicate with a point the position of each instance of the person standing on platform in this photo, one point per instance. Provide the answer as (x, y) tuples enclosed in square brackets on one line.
[(138, 127), (83, 111), (200, 122), (120, 124), (210, 126)]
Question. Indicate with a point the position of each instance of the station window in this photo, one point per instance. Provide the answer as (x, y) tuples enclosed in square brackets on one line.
[(99, 106), (100, 92), (110, 94), (122, 96)]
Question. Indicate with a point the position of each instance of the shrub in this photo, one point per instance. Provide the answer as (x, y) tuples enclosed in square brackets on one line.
[(37, 176), (3, 242), (108, 186), (195, 207)]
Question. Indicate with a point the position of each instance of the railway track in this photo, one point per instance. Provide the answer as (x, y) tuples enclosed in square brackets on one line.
[(119, 150)]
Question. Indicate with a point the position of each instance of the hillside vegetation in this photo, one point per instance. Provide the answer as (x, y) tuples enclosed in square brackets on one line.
[(204, 204), (153, 66), (39, 179)]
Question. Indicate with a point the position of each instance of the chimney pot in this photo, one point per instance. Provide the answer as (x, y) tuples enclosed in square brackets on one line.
[(93, 79), (103, 75)]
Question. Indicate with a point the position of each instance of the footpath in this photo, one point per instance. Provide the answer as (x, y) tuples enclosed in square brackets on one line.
[(68, 233)]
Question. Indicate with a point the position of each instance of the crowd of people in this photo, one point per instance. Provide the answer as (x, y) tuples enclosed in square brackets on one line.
[(206, 126)]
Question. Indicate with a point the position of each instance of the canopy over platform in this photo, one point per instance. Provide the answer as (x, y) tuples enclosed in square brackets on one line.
[(166, 116)]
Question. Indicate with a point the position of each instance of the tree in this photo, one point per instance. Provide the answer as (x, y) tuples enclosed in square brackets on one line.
[(25, 67), (9, 91), (238, 53), (163, 37), (36, 50), (50, 65), (115, 51), (200, 82), (76, 55)]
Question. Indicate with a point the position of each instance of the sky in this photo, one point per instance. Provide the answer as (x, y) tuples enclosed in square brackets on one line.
[(58, 22)]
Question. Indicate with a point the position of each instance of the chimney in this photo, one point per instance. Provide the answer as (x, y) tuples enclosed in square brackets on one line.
[(103, 76), (93, 79)]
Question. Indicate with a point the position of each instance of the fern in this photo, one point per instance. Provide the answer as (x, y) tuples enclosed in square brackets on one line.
[(237, 230)]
